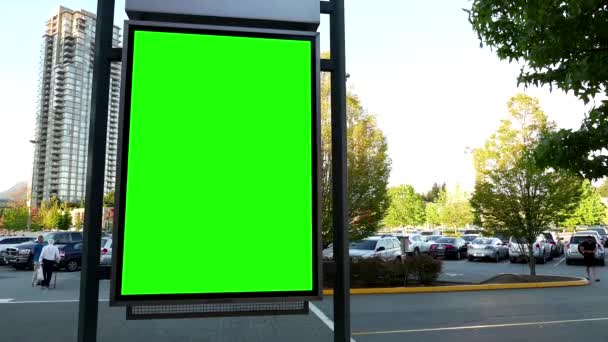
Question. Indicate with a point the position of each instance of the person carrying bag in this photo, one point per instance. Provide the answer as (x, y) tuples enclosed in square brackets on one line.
[(48, 257)]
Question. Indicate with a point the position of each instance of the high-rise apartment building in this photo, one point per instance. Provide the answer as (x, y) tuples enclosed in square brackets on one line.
[(64, 105)]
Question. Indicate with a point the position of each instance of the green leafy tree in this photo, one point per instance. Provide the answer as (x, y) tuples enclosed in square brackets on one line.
[(65, 219), (563, 44), (513, 196), (590, 210), (432, 214), (108, 199), (406, 207), (15, 217), (368, 168), (454, 208)]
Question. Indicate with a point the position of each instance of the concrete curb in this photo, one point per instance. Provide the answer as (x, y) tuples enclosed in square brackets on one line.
[(459, 288)]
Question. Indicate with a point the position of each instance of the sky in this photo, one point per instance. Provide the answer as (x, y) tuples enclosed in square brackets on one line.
[(416, 65)]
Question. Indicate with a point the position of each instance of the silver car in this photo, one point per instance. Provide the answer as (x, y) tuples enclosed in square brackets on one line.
[(11, 241), (518, 250), (386, 247), (487, 248)]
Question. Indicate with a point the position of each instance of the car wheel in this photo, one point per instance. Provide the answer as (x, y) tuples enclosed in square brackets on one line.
[(512, 260), (470, 258), (568, 262), (72, 265), (497, 259), (416, 251), (398, 258)]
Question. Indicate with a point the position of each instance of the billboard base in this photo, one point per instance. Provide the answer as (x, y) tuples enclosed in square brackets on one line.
[(172, 311)]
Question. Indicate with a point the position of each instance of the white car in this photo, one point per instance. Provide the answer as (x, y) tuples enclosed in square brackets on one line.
[(385, 247), (428, 241), (416, 244), (572, 253), (518, 250)]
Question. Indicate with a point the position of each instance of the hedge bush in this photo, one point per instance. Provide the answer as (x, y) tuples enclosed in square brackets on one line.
[(376, 272)]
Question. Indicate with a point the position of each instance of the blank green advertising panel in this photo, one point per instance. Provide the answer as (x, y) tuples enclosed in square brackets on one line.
[(218, 183)]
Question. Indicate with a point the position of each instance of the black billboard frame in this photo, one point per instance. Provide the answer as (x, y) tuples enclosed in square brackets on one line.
[(118, 299)]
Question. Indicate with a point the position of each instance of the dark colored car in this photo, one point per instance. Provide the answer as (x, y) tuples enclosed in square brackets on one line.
[(449, 248), (68, 243), (603, 234)]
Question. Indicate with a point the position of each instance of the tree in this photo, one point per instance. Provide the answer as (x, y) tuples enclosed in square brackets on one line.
[(78, 222), (590, 210), (513, 196), (454, 208), (108, 199), (65, 219), (15, 217), (406, 207), (368, 168), (561, 43), (433, 194), (432, 214)]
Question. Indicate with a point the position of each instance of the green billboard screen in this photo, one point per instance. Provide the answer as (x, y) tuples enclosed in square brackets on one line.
[(218, 166)]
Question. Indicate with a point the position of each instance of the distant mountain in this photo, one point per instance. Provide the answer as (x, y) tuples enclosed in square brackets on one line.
[(17, 192)]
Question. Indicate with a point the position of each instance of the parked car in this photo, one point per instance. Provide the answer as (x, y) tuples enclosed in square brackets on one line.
[(518, 250), (21, 256), (9, 242), (416, 242), (449, 247), (592, 232), (487, 248), (428, 241), (572, 253), (387, 247), (468, 238), (602, 232), (557, 247), (105, 258)]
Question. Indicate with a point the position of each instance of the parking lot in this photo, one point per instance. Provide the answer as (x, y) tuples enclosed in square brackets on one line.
[(509, 315)]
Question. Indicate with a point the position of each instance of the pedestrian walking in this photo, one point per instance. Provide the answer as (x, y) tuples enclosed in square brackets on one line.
[(37, 250), (48, 257), (587, 248)]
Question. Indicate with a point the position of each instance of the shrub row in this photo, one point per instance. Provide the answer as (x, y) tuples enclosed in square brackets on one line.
[(376, 272)]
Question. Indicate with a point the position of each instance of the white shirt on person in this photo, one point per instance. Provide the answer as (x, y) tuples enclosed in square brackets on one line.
[(49, 252)]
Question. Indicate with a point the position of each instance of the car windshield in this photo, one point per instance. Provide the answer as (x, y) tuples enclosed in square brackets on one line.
[(446, 240), (364, 244), (482, 241), (579, 239), (434, 238), (469, 238)]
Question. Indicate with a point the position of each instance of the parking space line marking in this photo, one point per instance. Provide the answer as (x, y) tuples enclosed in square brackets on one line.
[(6, 300), (323, 317), (473, 327), (559, 262), (45, 301)]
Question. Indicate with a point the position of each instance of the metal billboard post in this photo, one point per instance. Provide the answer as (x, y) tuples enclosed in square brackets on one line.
[(89, 284), (336, 65)]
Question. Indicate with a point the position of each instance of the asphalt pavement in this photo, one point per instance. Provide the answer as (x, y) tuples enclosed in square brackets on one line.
[(564, 314)]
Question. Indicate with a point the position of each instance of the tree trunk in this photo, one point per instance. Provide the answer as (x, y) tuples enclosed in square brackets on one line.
[(531, 260)]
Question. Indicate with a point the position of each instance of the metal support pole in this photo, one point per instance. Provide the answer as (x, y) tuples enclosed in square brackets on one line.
[(339, 185), (96, 159)]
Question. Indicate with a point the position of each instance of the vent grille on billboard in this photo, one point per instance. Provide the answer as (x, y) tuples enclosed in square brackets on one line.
[(216, 310)]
